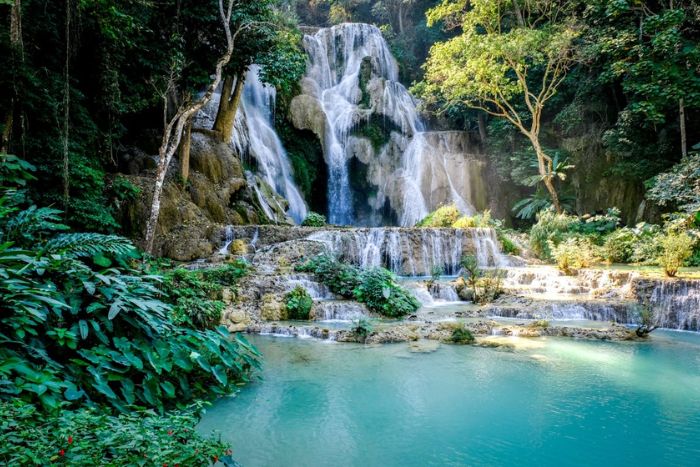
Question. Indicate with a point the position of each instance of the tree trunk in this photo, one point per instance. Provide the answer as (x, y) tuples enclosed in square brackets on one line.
[(546, 173), (518, 14), (185, 152), (16, 43), (172, 134), (482, 128), (66, 113), (230, 98), (684, 136)]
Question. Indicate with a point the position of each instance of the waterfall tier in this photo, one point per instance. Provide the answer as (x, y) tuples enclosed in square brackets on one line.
[(254, 136), (350, 90)]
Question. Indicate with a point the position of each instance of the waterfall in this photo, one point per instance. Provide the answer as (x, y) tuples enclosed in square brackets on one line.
[(257, 136), (353, 77), (412, 252), (339, 310), (573, 311), (676, 304), (228, 239)]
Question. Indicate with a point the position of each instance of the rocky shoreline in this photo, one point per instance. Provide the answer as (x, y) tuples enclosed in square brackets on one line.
[(483, 330)]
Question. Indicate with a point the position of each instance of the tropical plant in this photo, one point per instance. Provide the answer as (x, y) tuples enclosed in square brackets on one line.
[(444, 216), (362, 328), (82, 325), (461, 335), (380, 292), (91, 436), (298, 303), (314, 219), (676, 249), (551, 228), (574, 253)]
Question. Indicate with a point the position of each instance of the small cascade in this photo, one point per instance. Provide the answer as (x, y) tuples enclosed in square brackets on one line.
[(228, 239), (432, 294), (412, 252), (316, 290), (676, 304), (569, 311), (302, 332), (339, 310)]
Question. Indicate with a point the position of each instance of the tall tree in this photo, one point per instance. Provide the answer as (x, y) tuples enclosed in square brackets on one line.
[(509, 61), (172, 134)]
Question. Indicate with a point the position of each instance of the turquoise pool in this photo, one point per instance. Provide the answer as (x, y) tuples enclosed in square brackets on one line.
[(549, 402)]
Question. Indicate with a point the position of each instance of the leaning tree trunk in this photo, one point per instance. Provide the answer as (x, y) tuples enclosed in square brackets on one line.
[(172, 133), (185, 152), (226, 115)]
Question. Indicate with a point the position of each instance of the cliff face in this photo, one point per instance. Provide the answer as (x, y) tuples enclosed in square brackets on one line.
[(216, 193)]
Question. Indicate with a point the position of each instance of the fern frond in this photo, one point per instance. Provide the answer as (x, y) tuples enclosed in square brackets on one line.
[(89, 244), (33, 221)]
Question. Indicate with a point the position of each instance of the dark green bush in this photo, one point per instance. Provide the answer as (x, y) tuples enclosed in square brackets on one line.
[(82, 325), (298, 303), (462, 335), (94, 437), (380, 292), (377, 288), (340, 278), (362, 328), (314, 219)]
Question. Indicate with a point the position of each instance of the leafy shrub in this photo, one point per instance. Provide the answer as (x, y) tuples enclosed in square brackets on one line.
[(462, 335), (362, 328), (648, 246), (507, 245), (94, 437), (196, 294), (620, 245), (550, 230), (380, 292), (676, 249), (376, 288), (490, 286), (80, 325), (314, 219), (540, 323), (444, 216), (340, 278), (574, 253), (482, 220), (298, 303), (599, 224)]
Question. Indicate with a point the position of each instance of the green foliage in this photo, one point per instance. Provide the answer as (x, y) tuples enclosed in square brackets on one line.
[(377, 288), (314, 219), (619, 246), (676, 249), (461, 335), (680, 186), (196, 295), (489, 286), (481, 220), (444, 216), (82, 325), (298, 303), (340, 278), (94, 437), (550, 229), (540, 323), (574, 253), (362, 328)]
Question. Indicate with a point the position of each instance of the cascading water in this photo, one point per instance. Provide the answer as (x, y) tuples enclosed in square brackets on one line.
[(412, 252), (255, 134), (353, 77), (228, 239), (676, 304)]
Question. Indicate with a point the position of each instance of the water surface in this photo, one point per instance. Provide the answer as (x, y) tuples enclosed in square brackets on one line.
[(550, 402)]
